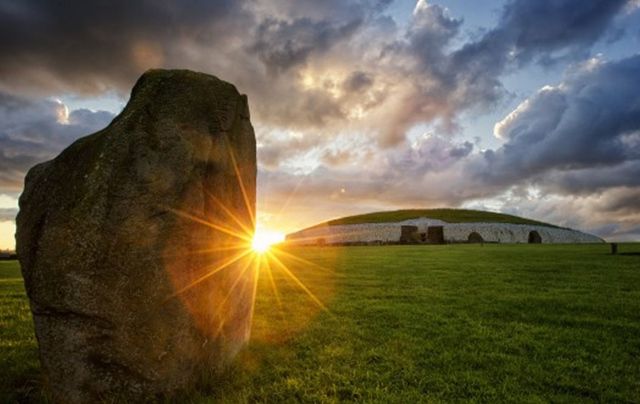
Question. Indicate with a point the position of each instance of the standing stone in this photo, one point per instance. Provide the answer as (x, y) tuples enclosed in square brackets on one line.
[(129, 243)]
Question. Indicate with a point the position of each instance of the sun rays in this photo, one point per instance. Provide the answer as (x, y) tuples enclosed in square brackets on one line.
[(245, 254), (261, 254), (264, 239)]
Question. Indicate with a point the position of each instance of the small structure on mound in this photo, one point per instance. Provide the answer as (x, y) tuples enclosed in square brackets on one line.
[(107, 234)]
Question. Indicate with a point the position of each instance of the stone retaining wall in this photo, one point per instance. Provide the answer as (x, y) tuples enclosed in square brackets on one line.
[(352, 233), (515, 233), (371, 233)]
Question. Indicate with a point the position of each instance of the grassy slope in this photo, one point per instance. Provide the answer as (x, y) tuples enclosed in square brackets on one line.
[(520, 323), (447, 215)]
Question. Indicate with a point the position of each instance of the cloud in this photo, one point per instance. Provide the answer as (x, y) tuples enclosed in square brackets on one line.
[(570, 155), (88, 47), (582, 135), (597, 213), (281, 45), (550, 30), (622, 201), (336, 86), (276, 147), (306, 65), (357, 175), (33, 131), (357, 82), (446, 82), (577, 144), (544, 32)]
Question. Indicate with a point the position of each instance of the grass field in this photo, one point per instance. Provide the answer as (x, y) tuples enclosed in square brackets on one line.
[(446, 215), (492, 323)]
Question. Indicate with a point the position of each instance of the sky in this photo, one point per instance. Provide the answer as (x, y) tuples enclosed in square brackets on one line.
[(524, 107)]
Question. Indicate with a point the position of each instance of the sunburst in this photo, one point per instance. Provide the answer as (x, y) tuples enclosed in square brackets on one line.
[(263, 240), (253, 250)]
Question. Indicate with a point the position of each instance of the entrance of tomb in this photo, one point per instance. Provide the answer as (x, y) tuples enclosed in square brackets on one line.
[(534, 237), (475, 237)]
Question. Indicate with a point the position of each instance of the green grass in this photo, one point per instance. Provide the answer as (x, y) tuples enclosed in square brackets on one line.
[(446, 215), (492, 323), (19, 373)]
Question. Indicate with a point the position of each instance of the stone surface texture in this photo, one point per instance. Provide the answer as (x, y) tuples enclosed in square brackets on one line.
[(453, 232), (119, 239)]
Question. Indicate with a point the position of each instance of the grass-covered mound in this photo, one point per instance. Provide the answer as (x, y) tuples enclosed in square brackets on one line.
[(446, 215)]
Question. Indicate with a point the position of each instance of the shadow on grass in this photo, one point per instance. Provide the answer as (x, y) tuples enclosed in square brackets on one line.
[(23, 387), (20, 376)]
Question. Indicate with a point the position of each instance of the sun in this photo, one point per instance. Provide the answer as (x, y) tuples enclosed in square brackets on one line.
[(264, 239)]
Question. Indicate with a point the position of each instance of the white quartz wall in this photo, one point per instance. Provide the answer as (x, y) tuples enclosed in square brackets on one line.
[(453, 232), (351, 233), (515, 233)]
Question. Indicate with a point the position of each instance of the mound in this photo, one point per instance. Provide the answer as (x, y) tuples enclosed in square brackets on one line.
[(445, 215), (436, 226)]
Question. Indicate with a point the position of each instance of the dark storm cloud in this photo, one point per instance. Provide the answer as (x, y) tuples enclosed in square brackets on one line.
[(539, 29), (33, 131), (626, 200), (462, 150), (91, 46), (594, 179), (282, 45), (357, 81), (446, 82), (585, 132), (265, 46), (543, 31)]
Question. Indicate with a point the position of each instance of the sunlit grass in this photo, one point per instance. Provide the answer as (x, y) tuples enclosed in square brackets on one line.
[(492, 323), (400, 324)]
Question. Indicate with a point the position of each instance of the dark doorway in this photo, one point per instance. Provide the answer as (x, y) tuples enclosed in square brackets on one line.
[(435, 235), (409, 234), (534, 237), (475, 237)]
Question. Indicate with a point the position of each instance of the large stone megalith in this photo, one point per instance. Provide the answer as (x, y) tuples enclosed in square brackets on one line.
[(133, 243)]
